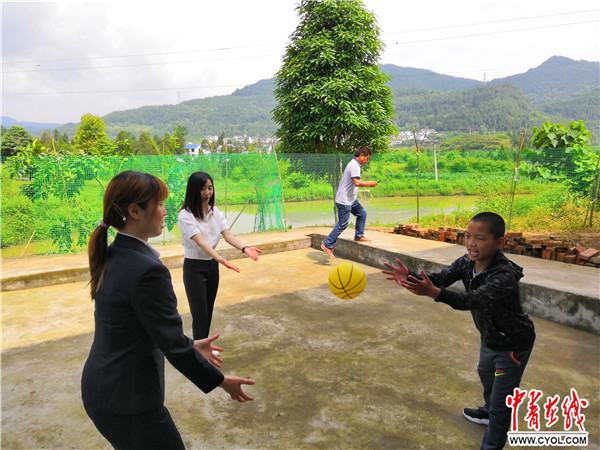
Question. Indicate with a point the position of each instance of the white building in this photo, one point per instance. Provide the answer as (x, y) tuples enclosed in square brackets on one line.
[(195, 149)]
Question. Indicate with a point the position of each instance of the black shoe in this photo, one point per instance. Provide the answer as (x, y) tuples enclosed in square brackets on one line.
[(477, 415)]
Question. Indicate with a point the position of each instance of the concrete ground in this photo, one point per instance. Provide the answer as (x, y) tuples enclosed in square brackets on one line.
[(385, 370)]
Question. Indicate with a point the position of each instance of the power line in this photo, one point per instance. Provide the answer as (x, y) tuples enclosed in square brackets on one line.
[(87, 58), (139, 64), (493, 32), (281, 44), (272, 55), (122, 90), (493, 21), (228, 85)]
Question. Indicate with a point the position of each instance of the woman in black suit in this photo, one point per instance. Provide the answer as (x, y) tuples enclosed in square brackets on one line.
[(137, 325)]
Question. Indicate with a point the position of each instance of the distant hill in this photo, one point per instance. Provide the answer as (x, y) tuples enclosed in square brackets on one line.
[(407, 77), (560, 89), (246, 111), (585, 106), (558, 78), (32, 127), (483, 109)]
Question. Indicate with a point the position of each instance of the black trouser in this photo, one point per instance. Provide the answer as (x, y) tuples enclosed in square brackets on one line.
[(500, 372), (153, 430), (201, 280)]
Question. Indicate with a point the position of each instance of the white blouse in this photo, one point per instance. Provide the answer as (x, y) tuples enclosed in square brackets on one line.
[(211, 227)]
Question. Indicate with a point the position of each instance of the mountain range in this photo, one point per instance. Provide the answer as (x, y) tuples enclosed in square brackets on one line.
[(560, 90)]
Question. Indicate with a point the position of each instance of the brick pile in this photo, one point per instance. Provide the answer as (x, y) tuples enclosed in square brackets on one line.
[(545, 248)]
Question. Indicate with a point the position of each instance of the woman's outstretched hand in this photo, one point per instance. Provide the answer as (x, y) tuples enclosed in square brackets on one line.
[(252, 252), (205, 348), (233, 386), (229, 265)]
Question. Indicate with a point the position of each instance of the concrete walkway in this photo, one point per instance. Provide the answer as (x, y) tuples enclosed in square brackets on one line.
[(563, 293), (385, 370)]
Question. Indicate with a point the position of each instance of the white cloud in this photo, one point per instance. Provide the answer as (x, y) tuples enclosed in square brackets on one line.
[(69, 58)]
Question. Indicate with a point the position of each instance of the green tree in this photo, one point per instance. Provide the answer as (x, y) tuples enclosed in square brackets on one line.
[(14, 139), (331, 95), (46, 140), (145, 145), (166, 144), (561, 154), (559, 136), (125, 142), (178, 140), (91, 138), (477, 142)]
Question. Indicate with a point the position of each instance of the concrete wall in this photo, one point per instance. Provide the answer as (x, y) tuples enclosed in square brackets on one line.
[(563, 307)]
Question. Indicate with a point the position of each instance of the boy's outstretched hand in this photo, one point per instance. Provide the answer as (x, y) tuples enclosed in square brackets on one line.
[(421, 287), (398, 274)]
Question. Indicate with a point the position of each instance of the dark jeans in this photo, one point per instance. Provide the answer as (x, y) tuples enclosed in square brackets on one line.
[(500, 372), (201, 281), (150, 430), (344, 212)]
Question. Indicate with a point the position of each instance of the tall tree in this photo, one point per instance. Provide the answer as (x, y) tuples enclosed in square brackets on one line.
[(332, 96), (125, 141), (145, 145), (46, 140), (14, 139), (178, 139), (91, 138)]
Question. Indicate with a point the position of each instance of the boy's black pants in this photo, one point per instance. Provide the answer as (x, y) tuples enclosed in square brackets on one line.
[(500, 372)]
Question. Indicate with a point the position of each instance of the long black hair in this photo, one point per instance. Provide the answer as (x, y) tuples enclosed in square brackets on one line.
[(193, 198)]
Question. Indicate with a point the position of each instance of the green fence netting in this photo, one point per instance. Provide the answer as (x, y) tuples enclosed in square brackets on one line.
[(51, 204)]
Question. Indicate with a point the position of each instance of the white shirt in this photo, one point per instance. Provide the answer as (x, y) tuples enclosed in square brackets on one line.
[(211, 227), (347, 192)]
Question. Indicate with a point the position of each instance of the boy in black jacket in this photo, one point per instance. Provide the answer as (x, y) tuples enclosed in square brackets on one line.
[(492, 295)]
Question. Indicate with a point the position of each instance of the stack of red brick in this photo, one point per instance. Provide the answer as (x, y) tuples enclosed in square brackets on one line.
[(549, 248)]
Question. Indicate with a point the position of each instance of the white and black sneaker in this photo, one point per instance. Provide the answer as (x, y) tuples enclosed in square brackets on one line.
[(477, 415)]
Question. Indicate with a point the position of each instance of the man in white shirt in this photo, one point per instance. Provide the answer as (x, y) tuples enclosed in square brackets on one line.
[(346, 201)]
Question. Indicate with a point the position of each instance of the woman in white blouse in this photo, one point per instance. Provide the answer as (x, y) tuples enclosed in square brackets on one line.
[(201, 225)]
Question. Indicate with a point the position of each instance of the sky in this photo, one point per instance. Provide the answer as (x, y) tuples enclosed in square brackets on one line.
[(63, 59)]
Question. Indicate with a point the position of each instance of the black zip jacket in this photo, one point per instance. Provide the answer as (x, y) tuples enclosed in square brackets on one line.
[(493, 299)]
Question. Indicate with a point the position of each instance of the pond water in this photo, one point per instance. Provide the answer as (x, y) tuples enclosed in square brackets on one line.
[(385, 210)]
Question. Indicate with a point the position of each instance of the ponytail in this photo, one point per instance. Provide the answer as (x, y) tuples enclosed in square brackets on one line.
[(124, 189), (98, 257)]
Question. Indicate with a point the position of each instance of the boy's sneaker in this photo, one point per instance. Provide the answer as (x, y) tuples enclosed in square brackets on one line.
[(477, 415)]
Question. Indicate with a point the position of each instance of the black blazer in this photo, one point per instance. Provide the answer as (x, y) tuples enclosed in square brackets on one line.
[(136, 323)]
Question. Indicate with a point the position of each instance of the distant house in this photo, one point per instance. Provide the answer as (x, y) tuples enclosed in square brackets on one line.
[(195, 149)]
